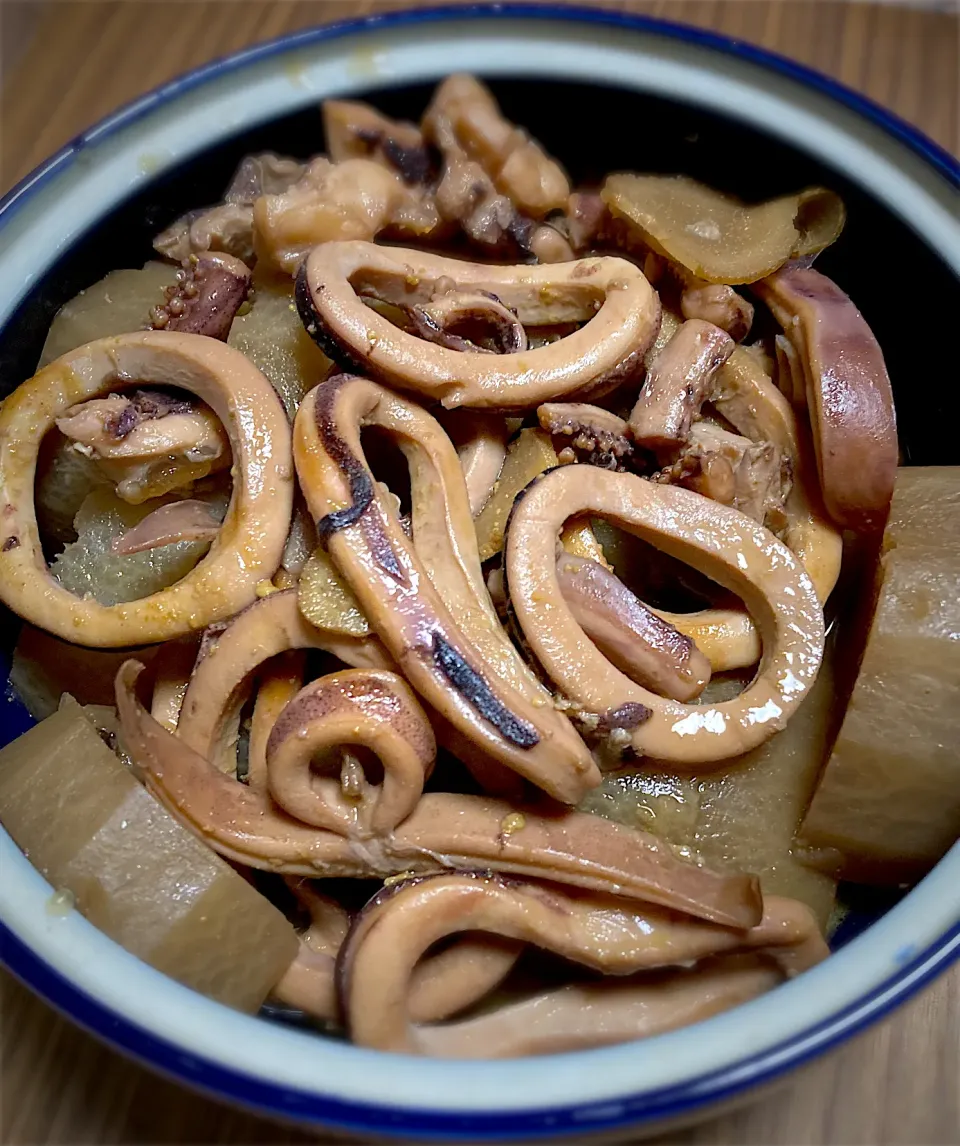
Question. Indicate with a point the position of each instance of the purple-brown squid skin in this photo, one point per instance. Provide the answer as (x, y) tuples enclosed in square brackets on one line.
[(489, 695), (209, 291), (392, 933), (849, 396), (444, 831), (678, 383), (600, 436), (722, 543), (646, 648)]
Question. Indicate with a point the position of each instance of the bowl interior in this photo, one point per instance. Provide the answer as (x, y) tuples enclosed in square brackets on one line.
[(895, 278)]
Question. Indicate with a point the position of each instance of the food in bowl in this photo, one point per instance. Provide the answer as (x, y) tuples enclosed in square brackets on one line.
[(480, 534)]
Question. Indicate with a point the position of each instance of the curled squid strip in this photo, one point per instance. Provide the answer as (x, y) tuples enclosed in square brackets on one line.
[(848, 390), (442, 984), (250, 542), (456, 977), (186, 520), (219, 686), (394, 931), (440, 626), (309, 983), (488, 326), (371, 708), (444, 831), (678, 382), (619, 309), (718, 304), (728, 547)]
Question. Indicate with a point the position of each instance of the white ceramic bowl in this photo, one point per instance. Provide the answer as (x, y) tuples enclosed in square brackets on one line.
[(300, 1076)]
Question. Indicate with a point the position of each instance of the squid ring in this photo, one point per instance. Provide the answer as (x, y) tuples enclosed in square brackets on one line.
[(620, 310), (443, 983), (375, 709), (728, 546), (250, 543), (387, 940), (449, 649)]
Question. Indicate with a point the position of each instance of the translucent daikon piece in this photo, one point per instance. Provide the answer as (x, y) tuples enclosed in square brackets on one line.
[(326, 600), (889, 800), (117, 304), (271, 335), (106, 845), (744, 814), (89, 565), (715, 236)]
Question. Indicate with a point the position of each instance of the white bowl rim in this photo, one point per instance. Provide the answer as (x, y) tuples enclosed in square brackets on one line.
[(172, 1029)]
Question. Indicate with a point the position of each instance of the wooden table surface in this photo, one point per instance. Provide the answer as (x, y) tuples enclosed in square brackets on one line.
[(74, 62)]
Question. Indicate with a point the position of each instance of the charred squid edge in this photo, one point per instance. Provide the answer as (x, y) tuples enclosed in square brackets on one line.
[(317, 329), (467, 681), (361, 487), (475, 689)]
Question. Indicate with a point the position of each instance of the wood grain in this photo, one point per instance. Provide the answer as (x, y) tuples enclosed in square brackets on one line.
[(897, 1084)]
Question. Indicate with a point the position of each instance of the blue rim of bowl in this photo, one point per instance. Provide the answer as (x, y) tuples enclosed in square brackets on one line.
[(668, 1103), (665, 1105)]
